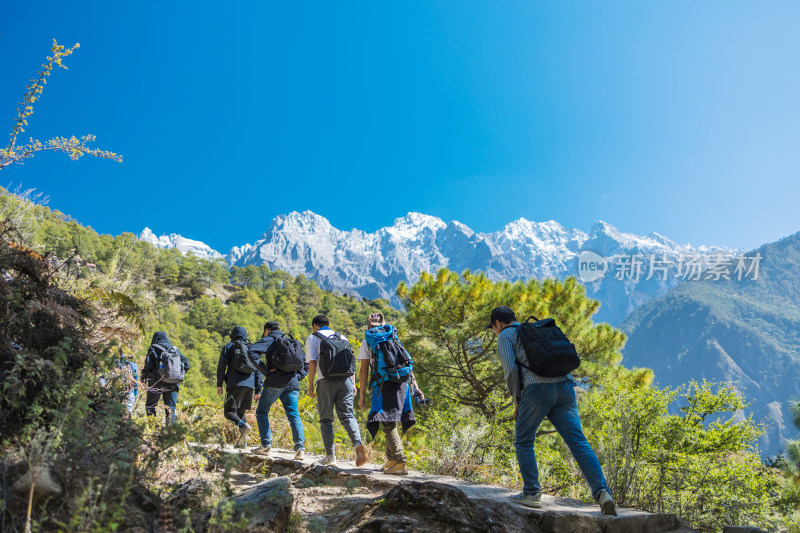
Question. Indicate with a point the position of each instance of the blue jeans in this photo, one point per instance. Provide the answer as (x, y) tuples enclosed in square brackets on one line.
[(289, 400), (131, 399), (170, 398), (557, 402)]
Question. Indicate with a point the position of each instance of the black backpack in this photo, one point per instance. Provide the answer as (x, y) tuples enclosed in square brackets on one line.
[(547, 349), (336, 358), (240, 358), (286, 354)]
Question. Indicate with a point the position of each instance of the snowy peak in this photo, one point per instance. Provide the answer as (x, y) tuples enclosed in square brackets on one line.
[(419, 221), (457, 228), (541, 232), (184, 245), (414, 227), (607, 240), (372, 264), (305, 222)]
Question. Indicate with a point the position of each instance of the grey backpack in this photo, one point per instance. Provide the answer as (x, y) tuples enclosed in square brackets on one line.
[(170, 366)]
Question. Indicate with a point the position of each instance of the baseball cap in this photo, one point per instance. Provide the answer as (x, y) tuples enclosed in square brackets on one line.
[(503, 314)]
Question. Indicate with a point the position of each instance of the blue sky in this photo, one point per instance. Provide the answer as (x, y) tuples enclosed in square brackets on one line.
[(679, 117)]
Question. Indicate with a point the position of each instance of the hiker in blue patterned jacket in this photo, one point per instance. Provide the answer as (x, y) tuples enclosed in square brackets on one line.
[(391, 399), (130, 373), (241, 382), (537, 397), (284, 367), (164, 369)]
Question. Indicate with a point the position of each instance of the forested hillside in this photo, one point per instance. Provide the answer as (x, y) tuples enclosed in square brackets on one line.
[(120, 290), (196, 301), (746, 332)]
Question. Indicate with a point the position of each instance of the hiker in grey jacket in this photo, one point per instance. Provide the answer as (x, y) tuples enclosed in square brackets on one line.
[(537, 397), (156, 388)]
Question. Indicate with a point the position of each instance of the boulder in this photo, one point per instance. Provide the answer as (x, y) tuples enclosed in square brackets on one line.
[(45, 484), (267, 505), (416, 507), (195, 494), (421, 507)]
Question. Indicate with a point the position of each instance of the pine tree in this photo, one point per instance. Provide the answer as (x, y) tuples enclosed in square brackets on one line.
[(446, 330)]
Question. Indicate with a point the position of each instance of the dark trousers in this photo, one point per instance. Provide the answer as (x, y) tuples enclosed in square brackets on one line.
[(170, 401), (237, 401)]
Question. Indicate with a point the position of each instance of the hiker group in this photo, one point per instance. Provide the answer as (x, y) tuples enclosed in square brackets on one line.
[(270, 370), (536, 358)]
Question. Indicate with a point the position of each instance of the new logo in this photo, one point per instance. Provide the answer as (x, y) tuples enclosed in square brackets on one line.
[(591, 266)]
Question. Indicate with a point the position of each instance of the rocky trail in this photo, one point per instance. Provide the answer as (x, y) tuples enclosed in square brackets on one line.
[(280, 494)]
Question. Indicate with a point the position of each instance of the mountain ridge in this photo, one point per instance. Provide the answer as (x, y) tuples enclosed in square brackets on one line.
[(184, 245), (372, 264), (748, 333)]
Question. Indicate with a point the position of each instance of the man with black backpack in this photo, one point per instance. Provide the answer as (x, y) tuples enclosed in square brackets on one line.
[(242, 379), (164, 369), (330, 358), (547, 392), (390, 383), (284, 367)]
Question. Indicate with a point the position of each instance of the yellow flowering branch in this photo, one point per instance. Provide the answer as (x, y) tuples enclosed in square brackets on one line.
[(74, 147)]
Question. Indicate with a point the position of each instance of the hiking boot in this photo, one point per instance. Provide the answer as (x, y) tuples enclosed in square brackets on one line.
[(398, 469), (528, 500), (389, 465), (263, 450), (361, 455), (607, 504), (328, 460), (299, 455), (243, 432)]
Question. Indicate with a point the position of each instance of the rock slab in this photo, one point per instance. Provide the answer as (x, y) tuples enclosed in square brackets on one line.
[(416, 507)]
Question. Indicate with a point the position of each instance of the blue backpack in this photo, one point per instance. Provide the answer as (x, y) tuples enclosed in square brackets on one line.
[(390, 360)]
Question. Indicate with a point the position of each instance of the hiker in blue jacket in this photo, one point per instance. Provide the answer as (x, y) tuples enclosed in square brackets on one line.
[(239, 386), (130, 372), (278, 385), (156, 387), (391, 403)]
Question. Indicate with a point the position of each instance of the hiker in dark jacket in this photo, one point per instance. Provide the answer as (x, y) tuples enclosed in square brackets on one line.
[(239, 386), (278, 385), (156, 388)]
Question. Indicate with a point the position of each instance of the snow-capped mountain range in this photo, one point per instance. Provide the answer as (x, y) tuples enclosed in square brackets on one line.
[(183, 244), (372, 264)]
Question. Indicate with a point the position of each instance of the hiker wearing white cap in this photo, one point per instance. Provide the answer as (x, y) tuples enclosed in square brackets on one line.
[(390, 383)]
